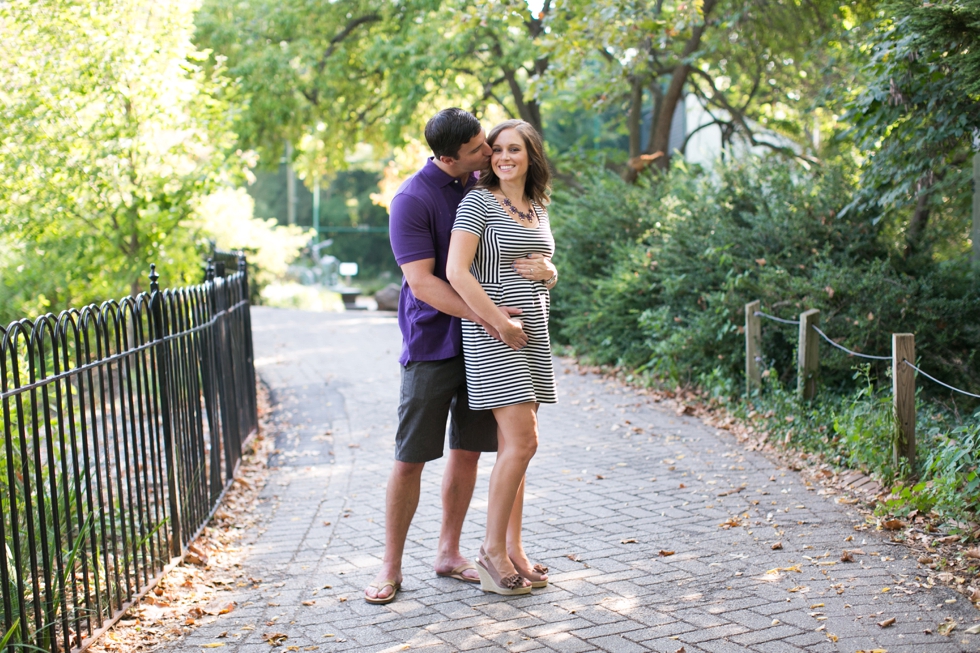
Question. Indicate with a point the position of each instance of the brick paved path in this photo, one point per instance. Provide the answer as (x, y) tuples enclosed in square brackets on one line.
[(617, 479)]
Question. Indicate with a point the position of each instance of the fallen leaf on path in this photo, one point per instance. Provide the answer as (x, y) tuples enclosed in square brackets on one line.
[(213, 645), (219, 606), (972, 553), (731, 491), (664, 554), (275, 639), (973, 630), (893, 524), (309, 603), (733, 522), (776, 546), (887, 622), (629, 540), (946, 627), (795, 568)]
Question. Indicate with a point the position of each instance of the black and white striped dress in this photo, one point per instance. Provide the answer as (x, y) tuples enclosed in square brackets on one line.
[(496, 375)]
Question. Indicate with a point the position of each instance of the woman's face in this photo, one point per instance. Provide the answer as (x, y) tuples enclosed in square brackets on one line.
[(509, 158)]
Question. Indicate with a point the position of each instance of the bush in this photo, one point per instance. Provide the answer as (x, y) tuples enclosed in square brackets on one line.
[(655, 276)]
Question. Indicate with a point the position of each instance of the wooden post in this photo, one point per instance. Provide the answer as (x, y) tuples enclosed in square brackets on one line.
[(903, 397), (976, 208), (753, 345), (809, 355)]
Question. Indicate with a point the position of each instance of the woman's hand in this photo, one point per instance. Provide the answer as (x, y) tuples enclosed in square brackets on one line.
[(535, 267)]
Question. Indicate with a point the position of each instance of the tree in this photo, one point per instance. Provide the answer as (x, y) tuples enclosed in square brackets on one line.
[(368, 70), (917, 118), (112, 132), (746, 61)]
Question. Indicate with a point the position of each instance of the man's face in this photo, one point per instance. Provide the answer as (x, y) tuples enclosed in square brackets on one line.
[(473, 154)]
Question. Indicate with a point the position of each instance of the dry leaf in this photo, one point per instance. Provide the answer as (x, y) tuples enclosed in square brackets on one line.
[(275, 638), (776, 546), (664, 554), (972, 553), (973, 630), (308, 603), (887, 622), (731, 491), (946, 627), (893, 524), (629, 540), (218, 606), (213, 645), (847, 556)]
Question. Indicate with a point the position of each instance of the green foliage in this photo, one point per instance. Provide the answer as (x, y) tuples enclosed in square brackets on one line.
[(915, 117), (657, 277), (112, 132)]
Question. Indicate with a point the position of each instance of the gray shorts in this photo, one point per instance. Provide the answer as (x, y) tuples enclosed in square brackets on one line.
[(432, 391)]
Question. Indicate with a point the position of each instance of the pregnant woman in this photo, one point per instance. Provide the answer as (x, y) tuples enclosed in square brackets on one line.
[(500, 255)]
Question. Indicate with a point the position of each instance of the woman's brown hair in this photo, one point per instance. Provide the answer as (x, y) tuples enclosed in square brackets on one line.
[(537, 184)]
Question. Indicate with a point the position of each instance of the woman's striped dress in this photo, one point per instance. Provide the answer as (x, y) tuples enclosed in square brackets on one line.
[(496, 375)]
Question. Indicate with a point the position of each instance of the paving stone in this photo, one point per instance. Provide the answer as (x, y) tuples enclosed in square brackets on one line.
[(334, 382)]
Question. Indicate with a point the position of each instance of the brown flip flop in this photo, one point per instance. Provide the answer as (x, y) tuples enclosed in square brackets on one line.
[(385, 599), (457, 573)]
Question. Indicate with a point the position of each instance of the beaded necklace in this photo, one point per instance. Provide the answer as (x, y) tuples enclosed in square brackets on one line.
[(521, 215)]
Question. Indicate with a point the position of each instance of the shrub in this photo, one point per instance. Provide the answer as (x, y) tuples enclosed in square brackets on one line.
[(655, 276)]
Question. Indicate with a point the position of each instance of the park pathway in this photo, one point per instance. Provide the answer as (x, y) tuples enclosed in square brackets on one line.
[(619, 480)]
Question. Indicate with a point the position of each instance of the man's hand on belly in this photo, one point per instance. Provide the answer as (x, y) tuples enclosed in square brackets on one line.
[(508, 312)]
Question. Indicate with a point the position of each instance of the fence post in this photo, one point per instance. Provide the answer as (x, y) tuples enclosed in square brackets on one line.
[(171, 451), (976, 208), (808, 362), (903, 397), (753, 343)]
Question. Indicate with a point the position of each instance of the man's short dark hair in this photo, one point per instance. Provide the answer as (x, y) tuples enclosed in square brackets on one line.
[(449, 129)]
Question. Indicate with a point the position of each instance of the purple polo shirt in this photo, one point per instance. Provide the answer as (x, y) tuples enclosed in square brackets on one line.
[(420, 225)]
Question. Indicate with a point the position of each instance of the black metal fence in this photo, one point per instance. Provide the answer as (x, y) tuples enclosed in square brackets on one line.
[(122, 426)]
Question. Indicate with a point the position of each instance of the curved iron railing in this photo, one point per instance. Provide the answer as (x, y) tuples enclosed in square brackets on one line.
[(122, 426)]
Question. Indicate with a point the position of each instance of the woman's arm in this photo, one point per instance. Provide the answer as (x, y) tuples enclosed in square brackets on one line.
[(462, 249), (537, 267)]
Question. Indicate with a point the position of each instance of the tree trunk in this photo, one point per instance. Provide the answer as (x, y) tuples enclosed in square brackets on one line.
[(915, 233), (660, 138), (634, 123), (528, 111)]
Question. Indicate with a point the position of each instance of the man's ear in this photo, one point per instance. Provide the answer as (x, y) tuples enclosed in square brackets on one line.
[(448, 160)]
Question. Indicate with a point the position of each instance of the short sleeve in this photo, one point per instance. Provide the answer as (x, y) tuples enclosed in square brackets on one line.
[(410, 229), (471, 215)]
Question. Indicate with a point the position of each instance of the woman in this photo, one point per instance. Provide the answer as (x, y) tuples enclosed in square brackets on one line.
[(502, 236)]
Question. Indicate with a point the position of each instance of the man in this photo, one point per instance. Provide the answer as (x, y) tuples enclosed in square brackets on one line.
[(433, 377)]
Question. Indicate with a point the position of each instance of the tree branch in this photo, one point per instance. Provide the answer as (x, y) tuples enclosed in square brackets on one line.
[(343, 34)]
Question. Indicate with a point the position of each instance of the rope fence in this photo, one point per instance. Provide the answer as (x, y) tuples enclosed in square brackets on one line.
[(903, 371)]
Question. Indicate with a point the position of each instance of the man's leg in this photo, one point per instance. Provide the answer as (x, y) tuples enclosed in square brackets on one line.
[(457, 490), (401, 501)]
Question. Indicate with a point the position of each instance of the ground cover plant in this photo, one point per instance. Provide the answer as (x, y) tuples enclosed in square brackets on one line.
[(655, 277)]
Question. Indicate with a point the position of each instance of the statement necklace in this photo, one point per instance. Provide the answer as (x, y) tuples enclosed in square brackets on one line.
[(523, 217)]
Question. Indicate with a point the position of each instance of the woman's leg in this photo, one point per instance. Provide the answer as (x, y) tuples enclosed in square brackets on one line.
[(517, 440), (515, 545)]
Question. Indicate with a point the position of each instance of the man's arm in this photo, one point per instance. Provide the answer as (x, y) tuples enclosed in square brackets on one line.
[(440, 295), (434, 291)]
